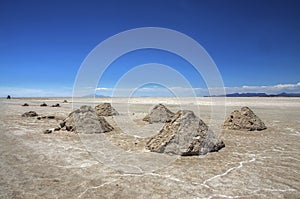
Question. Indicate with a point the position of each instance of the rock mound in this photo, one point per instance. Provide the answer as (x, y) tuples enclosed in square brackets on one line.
[(55, 105), (105, 109), (85, 120), (244, 119), (25, 104), (159, 113), (43, 104), (29, 114), (186, 134)]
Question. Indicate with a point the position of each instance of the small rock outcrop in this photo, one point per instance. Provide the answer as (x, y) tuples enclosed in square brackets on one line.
[(105, 109), (8, 97), (43, 104), (185, 134), (159, 113), (85, 120), (48, 131), (46, 117), (65, 101), (29, 114), (55, 105), (25, 104), (244, 119)]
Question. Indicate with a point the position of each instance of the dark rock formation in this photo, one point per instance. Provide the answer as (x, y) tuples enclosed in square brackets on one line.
[(25, 104), (29, 114), (65, 101), (85, 120), (55, 105), (244, 119), (48, 131), (105, 109), (186, 134), (43, 104), (159, 113), (46, 117), (8, 97)]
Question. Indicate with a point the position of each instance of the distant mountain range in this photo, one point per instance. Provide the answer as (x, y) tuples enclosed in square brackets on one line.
[(96, 96), (227, 95), (258, 95)]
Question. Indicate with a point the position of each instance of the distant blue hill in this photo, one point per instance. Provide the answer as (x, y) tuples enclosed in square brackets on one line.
[(96, 96), (258, 95)]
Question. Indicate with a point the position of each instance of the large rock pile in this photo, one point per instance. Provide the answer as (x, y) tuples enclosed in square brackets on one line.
[(105, 109), (186, 134), (244, 119), (85, 120), (159, 113)]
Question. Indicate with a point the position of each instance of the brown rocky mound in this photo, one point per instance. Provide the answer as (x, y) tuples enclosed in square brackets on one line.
[(85, 120), (159, 113), (244, 119), (186, 134), (105, 109), (29, 114)]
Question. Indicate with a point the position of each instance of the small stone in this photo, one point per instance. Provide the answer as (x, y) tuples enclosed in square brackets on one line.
[(51, 117), (62, 124), (69, 128), (25, 104), (48, 131), (43, 104)]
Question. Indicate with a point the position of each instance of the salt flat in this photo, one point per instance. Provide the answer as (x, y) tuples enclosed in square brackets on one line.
[(260, 164)]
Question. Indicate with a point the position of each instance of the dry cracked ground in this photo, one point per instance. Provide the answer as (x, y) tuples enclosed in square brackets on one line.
[(260, 164)]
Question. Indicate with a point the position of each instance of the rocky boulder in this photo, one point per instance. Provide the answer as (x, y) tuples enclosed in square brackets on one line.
[(185, 134), (43, 104), (29, 114), (105, 109), (244, 119), (159, 113), (85, 120)]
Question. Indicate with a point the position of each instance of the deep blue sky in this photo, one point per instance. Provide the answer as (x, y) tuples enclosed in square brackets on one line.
[(43, 43)]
